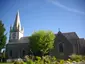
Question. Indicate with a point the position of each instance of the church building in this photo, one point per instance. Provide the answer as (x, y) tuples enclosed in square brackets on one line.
[(65, 44), (17, 46)]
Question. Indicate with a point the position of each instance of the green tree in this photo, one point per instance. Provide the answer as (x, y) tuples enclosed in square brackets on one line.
[(42, 41), (2, 35)]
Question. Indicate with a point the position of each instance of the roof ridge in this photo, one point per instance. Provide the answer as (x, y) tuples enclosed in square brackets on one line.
[(68, 32)]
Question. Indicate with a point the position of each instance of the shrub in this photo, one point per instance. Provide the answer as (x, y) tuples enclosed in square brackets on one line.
[(38, 58), (30, 61), (61, 62), (83, 58), (19, 61), (9, 60), (75, 57), (69, 60), (42, 60)]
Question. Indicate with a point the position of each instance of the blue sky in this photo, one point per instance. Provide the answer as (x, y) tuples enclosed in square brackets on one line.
[(68, 15)]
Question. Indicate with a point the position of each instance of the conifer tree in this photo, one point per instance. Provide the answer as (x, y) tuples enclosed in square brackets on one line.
[(2, 35)]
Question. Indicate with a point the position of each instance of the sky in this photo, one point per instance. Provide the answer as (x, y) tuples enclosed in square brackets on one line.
[(66, 15)]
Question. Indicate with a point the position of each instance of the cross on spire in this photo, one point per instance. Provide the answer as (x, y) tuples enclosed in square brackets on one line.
[(59, 29)]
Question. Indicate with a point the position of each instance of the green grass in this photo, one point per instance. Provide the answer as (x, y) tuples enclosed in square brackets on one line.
[(8, 63)]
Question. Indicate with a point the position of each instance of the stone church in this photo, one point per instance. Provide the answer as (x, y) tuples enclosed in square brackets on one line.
[(17, 46), (65, 44)]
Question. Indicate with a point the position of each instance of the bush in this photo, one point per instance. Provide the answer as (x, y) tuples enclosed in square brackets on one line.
[(77, 58), (41, 60), (52, 60), (9, 60), (30, 62), (19, 61), (61, 62)]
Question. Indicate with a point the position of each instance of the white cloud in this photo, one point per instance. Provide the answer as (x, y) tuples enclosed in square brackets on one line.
[(65, 7)]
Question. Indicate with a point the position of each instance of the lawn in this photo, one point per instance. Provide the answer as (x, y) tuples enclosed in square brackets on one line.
[(8, 63)]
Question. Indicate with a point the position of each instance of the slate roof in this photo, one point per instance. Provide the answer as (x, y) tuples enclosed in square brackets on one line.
[(22, 40), (73, 38), (71, 35)]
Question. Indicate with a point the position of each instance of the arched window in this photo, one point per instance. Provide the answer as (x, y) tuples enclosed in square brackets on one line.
[(23, 52), (11, 53), (61, 47)]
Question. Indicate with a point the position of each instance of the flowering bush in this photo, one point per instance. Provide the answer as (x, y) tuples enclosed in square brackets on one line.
[(42, 60), (18, 61), (77, 58)]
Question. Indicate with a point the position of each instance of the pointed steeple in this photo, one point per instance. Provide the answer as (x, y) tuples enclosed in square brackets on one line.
[(16, 32), (17, 24)]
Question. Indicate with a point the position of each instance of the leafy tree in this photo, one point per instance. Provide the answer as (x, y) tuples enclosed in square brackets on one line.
[(2, 35), (42, 41)]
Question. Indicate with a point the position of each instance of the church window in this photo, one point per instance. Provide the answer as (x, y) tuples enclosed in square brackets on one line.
[(61, 47), (23, 53), (11, 53)]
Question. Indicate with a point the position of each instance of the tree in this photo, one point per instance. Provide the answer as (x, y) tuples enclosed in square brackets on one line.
[(2, 35), (42, 41)]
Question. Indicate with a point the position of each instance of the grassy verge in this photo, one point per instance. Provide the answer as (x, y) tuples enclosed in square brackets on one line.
[(9, 63), (6, 63)]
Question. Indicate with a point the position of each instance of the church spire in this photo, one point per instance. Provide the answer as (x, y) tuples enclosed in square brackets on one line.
[(17, 24), (16, 32)]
